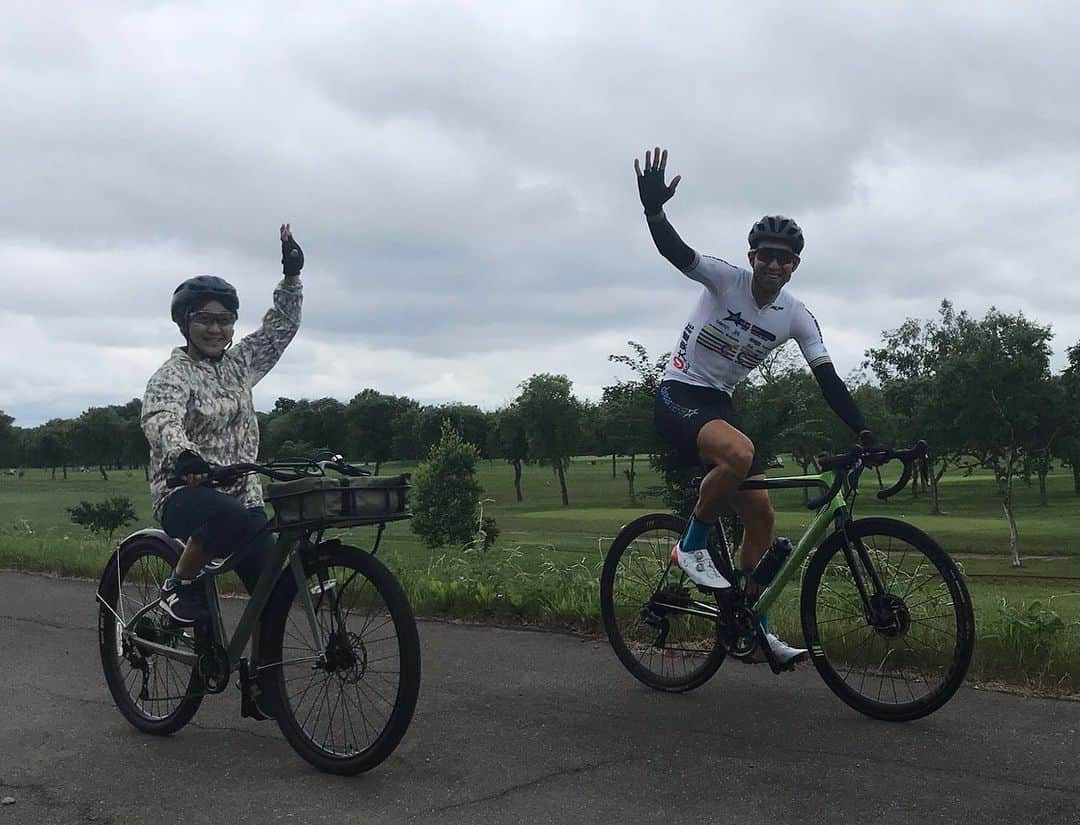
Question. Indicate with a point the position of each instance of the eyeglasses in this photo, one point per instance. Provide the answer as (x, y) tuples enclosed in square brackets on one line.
[(769, 254), (209, 319)]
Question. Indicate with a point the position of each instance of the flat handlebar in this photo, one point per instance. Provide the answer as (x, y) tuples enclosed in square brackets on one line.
[(224, 474)]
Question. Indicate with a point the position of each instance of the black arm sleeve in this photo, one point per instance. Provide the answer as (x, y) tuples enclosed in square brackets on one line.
[(668, 242), (837, 395)]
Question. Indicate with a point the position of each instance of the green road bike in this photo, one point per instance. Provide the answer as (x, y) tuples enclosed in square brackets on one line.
[(885, 612), (335, 655)]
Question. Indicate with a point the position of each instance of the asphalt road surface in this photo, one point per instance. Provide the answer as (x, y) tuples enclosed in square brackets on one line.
[(520, 727)]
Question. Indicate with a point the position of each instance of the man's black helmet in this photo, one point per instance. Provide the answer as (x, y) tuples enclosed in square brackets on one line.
[(777, 228), (198, 291)]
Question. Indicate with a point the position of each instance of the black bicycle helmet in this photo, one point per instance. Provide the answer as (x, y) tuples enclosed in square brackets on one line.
[(777, 228), (197, 292)]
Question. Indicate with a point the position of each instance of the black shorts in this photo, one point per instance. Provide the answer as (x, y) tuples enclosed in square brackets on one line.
[(681, 410)]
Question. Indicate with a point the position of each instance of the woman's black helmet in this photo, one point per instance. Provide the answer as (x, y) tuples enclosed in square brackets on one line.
[(777, 228), (196, 292)]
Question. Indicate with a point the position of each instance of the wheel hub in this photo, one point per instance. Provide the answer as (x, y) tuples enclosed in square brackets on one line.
[(345, 654), (889, 616)]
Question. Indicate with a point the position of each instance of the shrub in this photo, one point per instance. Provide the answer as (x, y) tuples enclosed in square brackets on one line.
[(104, 518), (446, 495)]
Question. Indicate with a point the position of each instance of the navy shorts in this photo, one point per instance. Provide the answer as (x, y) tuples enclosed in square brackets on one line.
[(223, 525), (681, 410)]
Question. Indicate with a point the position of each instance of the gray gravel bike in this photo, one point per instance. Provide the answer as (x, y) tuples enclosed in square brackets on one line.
[(335, 655), (885, 612)]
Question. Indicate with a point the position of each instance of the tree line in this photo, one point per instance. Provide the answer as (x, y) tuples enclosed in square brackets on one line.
[(980, 391)]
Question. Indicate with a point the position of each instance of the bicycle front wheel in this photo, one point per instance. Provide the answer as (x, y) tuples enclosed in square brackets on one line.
[(344, 690), (655, 618), (898, 655)]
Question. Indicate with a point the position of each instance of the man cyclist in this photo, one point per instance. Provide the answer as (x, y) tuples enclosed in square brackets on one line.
[(198, 411), (740, 317)]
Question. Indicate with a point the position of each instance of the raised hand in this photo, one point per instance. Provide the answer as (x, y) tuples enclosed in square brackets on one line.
[(292, 256), (651, 187)]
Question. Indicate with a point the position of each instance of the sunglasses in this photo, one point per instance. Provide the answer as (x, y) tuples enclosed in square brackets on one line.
[(768, 254), (208, 319)]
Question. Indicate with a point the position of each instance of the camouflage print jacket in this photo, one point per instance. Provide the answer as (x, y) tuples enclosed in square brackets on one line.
[(206, 406)]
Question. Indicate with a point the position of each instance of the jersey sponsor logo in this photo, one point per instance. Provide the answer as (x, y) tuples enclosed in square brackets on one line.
[(737, 319), (679, 361), (762, 333)]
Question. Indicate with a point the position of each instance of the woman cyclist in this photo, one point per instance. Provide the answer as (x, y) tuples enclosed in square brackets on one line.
[(198, 412)]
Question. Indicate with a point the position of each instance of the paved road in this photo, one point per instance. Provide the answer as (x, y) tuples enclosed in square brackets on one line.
[(520, 727)]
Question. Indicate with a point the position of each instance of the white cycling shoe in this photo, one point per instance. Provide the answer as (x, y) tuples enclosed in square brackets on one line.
[(697, 565), (784, 653)]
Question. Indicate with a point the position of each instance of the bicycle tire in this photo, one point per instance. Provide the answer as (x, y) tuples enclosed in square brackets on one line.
[(347, 658), (943, 612), (635, 639), (152, 560)]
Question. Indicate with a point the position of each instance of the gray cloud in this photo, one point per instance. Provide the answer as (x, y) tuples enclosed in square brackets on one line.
[(461, 178)]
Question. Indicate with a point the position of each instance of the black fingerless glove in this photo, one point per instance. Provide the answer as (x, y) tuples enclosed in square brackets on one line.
[(190, 463), (869, 441), (292, 257), (652, 190)]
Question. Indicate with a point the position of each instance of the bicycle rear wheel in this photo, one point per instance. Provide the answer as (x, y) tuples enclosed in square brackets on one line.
[(156, 694), (343, 701), (905, 654), (655, 618)]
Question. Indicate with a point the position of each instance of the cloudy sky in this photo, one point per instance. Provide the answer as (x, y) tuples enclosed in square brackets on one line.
[(460, 176)]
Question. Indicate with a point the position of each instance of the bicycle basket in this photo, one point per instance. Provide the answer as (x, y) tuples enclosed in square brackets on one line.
[(340, 501)]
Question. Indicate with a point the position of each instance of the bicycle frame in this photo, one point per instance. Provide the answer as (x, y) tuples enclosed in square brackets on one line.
[(288, 547), (813, 536)]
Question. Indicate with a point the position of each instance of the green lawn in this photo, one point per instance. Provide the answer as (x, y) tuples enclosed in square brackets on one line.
[(546, 563)]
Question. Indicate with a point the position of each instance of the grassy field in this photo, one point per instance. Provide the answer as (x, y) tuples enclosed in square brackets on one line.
[(545, 566)]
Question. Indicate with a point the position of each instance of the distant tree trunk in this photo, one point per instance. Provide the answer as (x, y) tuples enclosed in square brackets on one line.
[(54, 472), (613, 466), (935, 489), (1014, 535), (517, 478), (1076, 477), (630, 479), (65, 472), (1042, 489), (101, 469), (377, 463), (562, 484)]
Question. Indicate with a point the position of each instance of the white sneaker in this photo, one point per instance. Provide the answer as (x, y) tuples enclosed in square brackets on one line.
[(784, 653), (699, 567)]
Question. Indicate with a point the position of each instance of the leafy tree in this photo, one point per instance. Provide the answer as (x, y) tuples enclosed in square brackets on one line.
[(9, 441), (104, 518), (373, 420), (908, 365), (54, 444), (509, 441), (98, 437), (469, 420), (1067, 446), (552, 418), (626, 414), (993, 383), (446, 495)]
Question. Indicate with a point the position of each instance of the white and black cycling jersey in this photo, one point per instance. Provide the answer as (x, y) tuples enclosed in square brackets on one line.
[(728, 334)]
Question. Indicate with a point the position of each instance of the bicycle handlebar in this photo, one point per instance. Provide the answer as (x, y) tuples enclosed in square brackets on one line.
[(224, 474), (858, 458)]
